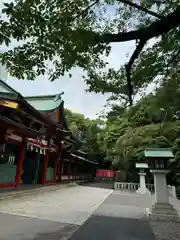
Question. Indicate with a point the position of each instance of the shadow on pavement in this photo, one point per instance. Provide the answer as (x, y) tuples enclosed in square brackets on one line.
[(61, 234), (25, 228), (106, 228)]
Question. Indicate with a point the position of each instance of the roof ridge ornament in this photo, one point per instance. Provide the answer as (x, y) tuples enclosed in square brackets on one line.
[(58, 96)]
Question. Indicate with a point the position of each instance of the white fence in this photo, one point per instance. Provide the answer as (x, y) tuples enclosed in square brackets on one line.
[(172, 191), (126, 186), (132, 187)]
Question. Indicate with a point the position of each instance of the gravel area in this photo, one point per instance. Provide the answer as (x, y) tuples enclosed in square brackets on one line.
[(165, 230)]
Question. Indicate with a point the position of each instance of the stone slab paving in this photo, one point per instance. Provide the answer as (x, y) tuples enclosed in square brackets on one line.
[(82, 212), (123, 217), (26, 228), (51, 215), (166, 230), (69, 205), (103, 227), (120, 217), (125, 206)]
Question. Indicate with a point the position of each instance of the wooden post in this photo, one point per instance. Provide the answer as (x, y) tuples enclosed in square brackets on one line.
[(75, 171), (55, 169), (45, 164), (72, 171), (69, 169), (60, 169), (20, 164), (60, 165)]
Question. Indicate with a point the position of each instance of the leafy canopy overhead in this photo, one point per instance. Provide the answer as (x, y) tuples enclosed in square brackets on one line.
[(78, 33)]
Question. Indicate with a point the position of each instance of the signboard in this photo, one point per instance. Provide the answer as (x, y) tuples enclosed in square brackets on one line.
[(9, 104)]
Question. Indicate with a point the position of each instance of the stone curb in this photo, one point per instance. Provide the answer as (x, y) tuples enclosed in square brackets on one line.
[(162, 217), (171, 218), (34, 191)]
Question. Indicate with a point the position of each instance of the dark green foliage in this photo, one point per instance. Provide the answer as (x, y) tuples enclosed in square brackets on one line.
[(88, 132), (58, 32), (78, 33)]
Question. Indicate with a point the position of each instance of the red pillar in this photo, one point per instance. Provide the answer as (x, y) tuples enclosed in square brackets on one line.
[(20, 164), (45, 165)]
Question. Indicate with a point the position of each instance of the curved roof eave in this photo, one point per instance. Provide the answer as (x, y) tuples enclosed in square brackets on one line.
[(45, 105), (29, 107)]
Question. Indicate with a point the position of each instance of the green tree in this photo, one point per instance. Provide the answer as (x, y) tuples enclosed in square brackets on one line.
[(120, 140), (79, 33), (88, 132), (149, 123)]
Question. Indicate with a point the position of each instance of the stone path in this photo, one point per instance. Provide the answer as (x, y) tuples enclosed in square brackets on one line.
[(52, 215), (166, 230), (82, 212), (71, 205), (120, 217), (26, 228)]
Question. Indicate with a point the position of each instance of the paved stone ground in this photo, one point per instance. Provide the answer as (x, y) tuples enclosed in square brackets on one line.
[(71, 205), (166, 230), (52, 215), (26, 228), (82, 212), (122, 217), (119, 217)]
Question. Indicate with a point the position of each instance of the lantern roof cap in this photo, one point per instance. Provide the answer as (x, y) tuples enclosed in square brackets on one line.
[(141, 165), (158, 152)]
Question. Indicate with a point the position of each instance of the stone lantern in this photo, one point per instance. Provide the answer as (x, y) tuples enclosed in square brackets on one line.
[(142, 178), (158, 160)]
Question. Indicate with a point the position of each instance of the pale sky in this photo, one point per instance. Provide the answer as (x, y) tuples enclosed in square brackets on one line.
[(75, 96)]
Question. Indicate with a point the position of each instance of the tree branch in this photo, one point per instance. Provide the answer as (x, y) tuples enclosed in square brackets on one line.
[(129, 66), (141, 8), (159, 27), (155, 29), (136, 54)]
